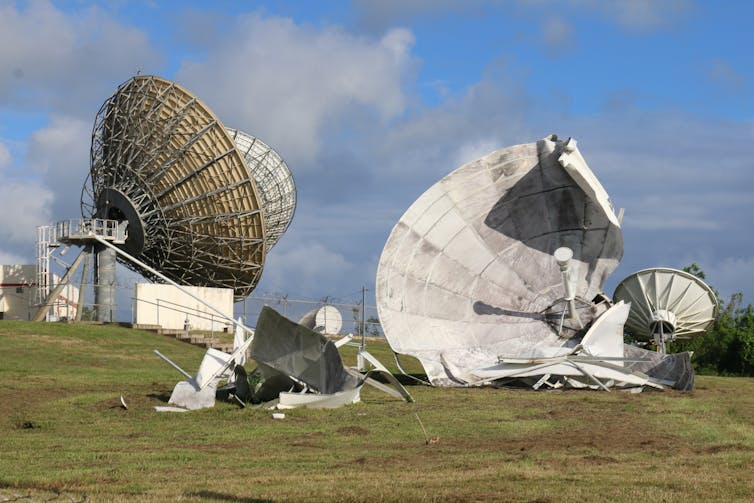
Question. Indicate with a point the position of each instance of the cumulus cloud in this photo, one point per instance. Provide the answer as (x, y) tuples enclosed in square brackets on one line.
[(435, 141), (557, 34), (639, 14), (59, 155), (379, 172), (629, 14), (66, 61), (5, 158), (723, 75), (684, 182), (292, 81), (729, 275), (8, 258), (659, 213), (475, 149), (311, 263), (26, 204), (377, 15)]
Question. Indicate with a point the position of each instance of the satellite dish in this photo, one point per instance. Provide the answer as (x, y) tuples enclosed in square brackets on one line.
[(325, 320), (161, 160), (667, 304), (468, 273), (274, 183)]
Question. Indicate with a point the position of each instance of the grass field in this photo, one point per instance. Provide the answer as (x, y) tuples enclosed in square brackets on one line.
[(64, 436)]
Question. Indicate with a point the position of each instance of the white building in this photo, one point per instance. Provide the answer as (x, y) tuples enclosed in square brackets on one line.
[(18, 286), (167, 306)]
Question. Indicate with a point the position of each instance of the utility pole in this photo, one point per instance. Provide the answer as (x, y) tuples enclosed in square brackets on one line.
[(360, 364), (363, 317)]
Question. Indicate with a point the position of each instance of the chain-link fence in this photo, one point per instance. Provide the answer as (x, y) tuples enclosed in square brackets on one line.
[(296, 309), (352, 312)]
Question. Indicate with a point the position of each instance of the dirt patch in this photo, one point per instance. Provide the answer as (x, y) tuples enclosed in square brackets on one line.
[(714, 449), (133, 401), (310, 439), (20, 405), (585, 424), (352, 431), (599, 460), (211, 446)]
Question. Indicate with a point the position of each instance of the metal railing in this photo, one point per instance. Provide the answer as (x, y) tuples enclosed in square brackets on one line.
[(78, 230)]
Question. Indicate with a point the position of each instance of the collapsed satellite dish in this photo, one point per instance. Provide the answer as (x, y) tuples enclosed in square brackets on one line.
[(325, 320), (468, 273), (667, 304), (161, 160), (274, 183)]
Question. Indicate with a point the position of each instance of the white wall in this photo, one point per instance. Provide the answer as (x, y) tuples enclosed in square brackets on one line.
[(17, 291), (167, 306), (66, 304), (18, 286)]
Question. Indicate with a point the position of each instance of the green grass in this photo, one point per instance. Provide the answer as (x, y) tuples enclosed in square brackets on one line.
[(64, 436)]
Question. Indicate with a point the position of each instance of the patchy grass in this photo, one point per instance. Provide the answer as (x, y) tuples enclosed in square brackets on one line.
[(63, 435)]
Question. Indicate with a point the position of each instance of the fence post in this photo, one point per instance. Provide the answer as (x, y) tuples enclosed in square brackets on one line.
[(360, 363)]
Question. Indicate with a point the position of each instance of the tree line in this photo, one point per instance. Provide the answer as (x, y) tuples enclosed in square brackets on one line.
[(728, 347)]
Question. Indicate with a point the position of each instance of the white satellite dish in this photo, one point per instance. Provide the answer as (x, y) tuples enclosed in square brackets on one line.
[(471, 272), (667, 304), (325, 320)]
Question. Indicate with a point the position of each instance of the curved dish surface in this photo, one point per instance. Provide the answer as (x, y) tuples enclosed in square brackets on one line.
[(326, 320), (163, 161), (273, 180), (665, 294), (468, 274)]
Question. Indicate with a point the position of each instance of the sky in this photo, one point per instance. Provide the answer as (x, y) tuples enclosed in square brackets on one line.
[(371, 102)]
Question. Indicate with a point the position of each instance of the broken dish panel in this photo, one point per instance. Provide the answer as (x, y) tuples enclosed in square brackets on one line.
[(468, 273)]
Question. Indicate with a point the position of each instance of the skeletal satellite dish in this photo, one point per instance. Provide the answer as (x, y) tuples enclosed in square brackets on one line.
[(667, 304), (274, 183), (161, 160), (468, 274), (325, 320)]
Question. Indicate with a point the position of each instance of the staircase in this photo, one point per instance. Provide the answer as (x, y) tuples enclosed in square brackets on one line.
[(195, 338)]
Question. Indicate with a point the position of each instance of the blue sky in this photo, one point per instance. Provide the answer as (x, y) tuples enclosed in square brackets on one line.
[(371, 102)]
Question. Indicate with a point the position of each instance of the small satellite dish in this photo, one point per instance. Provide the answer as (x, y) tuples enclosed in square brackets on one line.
[(667, 304), (325, 320), (274, 183), (471, 270)]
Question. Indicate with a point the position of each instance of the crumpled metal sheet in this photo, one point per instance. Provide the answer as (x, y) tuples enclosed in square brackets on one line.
[(675, 370), (597, 359), (284, 347), (189, 395)]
